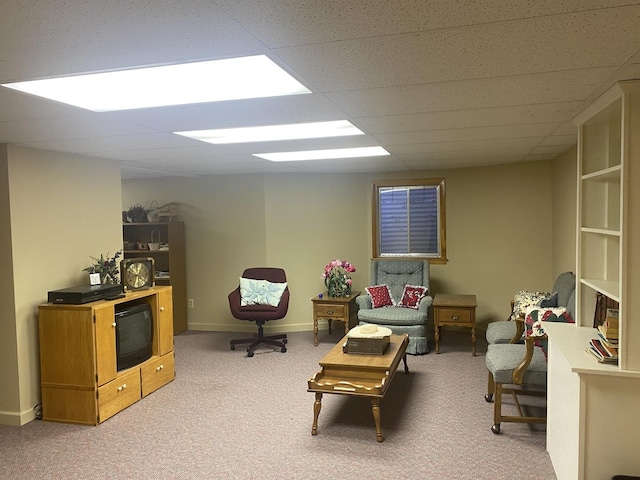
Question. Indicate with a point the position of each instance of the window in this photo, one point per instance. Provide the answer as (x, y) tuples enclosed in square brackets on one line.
[(408, 219)]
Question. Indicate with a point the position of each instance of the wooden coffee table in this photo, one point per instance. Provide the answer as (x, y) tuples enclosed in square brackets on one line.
[(359, 375)]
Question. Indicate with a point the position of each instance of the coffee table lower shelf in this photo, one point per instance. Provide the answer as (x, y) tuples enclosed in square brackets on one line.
[(359, 375)]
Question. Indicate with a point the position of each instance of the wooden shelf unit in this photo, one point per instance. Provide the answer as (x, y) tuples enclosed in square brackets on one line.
[(592, 426), (171, 260), (78, 373)]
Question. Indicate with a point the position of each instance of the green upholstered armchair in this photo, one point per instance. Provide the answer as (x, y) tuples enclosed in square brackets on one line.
[(507, 331), (396, 274)]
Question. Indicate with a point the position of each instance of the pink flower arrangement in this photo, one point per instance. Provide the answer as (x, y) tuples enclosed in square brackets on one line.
[(336, 278)]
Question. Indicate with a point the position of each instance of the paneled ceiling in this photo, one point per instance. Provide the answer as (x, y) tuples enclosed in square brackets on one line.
[(438, 83)]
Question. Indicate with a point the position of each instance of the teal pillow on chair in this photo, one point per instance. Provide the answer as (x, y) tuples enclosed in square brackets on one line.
[(260, 292)]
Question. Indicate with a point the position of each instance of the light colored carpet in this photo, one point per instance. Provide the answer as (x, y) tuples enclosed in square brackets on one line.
[(232, 417)]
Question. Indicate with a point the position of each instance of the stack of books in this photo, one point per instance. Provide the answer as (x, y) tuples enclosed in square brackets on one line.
[(609, 329), (605, 347)]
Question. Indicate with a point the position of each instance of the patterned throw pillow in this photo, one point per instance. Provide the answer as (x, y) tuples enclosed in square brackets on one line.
[(260, 292), (534, 316), (525, 299), (411, 296), (380, 296)]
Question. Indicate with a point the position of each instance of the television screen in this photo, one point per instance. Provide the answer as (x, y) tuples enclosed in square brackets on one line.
[(134, 335)]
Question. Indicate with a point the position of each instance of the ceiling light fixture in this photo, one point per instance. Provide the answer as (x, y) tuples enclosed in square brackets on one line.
[(294, 131), (200, 82), (323, 154)]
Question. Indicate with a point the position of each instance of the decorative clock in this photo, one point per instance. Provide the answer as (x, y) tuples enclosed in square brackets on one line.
[(137, 273)]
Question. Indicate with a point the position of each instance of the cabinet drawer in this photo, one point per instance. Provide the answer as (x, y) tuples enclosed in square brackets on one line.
[(118, 394), (157, 373), (331, 311), (458, 315)]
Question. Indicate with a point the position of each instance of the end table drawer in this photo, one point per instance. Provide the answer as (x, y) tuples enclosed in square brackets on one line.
[(462, 315), (331, 311)]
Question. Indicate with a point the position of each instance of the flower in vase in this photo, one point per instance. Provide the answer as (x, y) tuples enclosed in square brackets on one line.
[(337, 279)]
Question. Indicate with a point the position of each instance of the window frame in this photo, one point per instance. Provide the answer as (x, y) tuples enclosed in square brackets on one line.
[(437, 183)]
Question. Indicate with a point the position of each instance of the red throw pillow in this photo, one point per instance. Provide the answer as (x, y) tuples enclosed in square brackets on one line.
[(411, 296), (380, 296)]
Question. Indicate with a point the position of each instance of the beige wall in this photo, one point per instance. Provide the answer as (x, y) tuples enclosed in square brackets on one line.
[(57, 210), (564, 222), (63, 209), (9, 397), (499, 237)]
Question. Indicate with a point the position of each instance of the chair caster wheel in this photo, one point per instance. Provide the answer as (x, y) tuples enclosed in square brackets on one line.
[(249, 354), (284, 340), (233, 347), (488, 398), (283, 349), (496, 428)]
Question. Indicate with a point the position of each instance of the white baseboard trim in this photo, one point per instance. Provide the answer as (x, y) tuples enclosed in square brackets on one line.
[(17, 419)]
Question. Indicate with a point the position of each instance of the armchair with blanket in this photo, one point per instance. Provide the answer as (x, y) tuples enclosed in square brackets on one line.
[(562, 295)]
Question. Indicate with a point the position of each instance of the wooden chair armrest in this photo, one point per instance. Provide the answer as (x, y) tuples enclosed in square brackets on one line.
[(519, 371), (511, 312), (519, 330)]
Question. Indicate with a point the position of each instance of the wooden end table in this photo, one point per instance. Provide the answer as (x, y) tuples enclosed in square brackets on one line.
[(457, 310), (329, 308), (359, 375)]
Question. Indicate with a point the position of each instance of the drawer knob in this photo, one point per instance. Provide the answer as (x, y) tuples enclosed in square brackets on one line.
[(122, 387), (113, 324), (330, 312), (455, 317), (162, 309), (160, 367)]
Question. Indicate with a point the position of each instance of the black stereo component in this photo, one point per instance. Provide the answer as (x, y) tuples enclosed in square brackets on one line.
[(85, 293)]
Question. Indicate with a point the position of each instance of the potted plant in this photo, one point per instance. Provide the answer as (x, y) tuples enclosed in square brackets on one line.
[(108, 268)]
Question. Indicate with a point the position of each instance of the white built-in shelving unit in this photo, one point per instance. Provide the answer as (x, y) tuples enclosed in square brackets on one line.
[(593, 418)]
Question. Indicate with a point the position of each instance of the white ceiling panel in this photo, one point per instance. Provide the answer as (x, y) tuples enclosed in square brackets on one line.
[(438, 83), (281, 23), (512, 115), (545, 44)]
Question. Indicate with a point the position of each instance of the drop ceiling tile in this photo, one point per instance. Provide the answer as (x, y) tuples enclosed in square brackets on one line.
[(466, 134), (554, 150), (482, 93), (61, 38), (91, 145), (490, 144), (481, 117), (66, 127), (239, 113), (480, 51), (567, 128), (280, 23), (559, 140)]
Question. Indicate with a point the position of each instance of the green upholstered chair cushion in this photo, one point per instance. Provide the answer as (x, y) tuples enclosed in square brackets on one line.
[(502, 359)]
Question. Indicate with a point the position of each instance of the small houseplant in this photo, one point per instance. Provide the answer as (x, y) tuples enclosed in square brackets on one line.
[(108, 268)]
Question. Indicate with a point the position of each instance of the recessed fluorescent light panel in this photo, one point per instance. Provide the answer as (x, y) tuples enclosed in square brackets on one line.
[(210, 81), (338, 128), (323, 154)]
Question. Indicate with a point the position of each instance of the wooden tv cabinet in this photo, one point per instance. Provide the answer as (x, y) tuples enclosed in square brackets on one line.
[(78, 374)]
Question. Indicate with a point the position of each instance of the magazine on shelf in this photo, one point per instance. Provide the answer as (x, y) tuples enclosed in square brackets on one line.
[(602, 351)]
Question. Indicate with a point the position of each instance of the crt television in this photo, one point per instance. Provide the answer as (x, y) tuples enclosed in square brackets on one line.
[(134, 335)]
